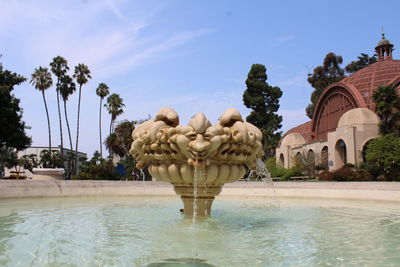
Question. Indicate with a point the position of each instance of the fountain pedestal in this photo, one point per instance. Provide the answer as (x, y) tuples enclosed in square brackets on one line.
[(197, 201)]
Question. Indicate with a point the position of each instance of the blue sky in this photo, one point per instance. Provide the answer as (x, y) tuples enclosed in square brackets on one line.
[(193, 56)]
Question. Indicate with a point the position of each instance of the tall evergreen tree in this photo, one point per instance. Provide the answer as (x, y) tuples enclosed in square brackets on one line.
[(59, 68), (41, 80), (363, 61), (324, 75), (82, 76), (12, 133), (102, 91), (263, 99), (387, 103)]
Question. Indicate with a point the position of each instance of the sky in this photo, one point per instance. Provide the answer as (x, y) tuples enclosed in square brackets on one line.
[(193, 56)]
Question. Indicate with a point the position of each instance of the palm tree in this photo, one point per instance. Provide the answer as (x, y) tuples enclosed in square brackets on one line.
[(67, 88), (114, 106), (101, 91), (387, 103), (41, 80), (59, 68), (82, 76), (120, 141)]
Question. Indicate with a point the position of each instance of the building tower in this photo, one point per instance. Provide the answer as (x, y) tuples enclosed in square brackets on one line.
[(384, 49)]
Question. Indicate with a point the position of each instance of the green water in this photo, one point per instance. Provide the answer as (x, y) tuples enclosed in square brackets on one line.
[(122, 231)]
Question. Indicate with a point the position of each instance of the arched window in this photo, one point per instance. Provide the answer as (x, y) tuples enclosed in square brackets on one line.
[(341, 153), (282, 160), (324, 157), (310, 153)]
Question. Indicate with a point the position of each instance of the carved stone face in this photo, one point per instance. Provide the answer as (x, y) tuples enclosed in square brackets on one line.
[(198, 158), (172, 150)]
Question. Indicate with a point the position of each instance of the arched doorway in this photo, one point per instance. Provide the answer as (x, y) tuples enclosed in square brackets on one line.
[(282, 160), (297, 161), (341, 153), (324, 157), (310, 153)]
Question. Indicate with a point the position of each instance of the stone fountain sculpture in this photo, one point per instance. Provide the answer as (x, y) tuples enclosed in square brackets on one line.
[(198, 158)]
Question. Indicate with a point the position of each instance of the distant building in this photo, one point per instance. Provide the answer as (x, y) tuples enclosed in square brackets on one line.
[(344, 119), (36, 150)]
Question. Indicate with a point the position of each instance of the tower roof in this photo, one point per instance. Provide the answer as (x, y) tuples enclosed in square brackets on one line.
[(383, 41)]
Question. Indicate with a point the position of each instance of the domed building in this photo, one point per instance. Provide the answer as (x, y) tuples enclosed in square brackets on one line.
[(344, 119)]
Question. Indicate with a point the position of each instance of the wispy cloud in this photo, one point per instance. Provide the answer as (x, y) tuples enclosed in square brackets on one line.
[(142, 56), (284, 38), (100, 34)]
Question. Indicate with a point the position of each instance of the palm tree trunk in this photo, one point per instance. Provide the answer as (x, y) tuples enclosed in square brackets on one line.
[(60, 122), (77, 129), (111, 125), (69, 130), (48, 121), (101, 147), (70, 164)]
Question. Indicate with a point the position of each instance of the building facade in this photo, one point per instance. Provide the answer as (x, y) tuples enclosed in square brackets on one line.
[(344, 119)]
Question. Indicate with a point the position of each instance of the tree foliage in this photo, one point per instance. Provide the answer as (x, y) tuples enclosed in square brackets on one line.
[(120, 141), (51, 160), (114, 106), (383, 156), (387, 103), (307, 163), (322, 76), (364, 60), (12, 132), (97, 168), (28, 162), (8, 158), (263, 99)]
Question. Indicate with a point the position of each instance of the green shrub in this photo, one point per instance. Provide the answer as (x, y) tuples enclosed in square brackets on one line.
[(277, 171), (383, 156), (97, 169)]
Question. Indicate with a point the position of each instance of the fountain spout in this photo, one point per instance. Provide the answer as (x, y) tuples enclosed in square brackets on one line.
[(198, 158)]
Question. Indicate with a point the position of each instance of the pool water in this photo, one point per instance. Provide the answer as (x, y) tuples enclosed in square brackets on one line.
[(136, 231)]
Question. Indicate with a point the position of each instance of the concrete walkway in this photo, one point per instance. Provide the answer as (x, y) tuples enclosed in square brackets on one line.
[(382, 191)]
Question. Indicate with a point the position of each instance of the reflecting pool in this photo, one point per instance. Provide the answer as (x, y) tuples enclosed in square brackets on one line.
[(135, 231)]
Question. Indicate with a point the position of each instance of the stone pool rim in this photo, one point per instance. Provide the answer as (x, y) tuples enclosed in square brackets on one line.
[(376, 191)]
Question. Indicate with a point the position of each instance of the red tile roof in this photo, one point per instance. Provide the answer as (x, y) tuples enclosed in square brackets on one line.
[(303, 129), (369, 78)]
